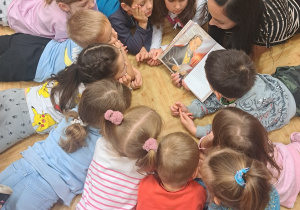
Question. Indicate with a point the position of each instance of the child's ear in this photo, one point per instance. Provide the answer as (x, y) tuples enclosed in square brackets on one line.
[(125, 6), (217, 201), (218, 95), (63, 6)]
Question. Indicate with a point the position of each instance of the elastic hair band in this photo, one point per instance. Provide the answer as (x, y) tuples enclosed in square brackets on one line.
[(150, 144), (77, 121), (239, 177), (115, 117)]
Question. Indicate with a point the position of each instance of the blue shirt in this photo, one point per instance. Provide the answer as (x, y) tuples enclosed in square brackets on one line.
[(66, 172), (56, 57), (108, 7)]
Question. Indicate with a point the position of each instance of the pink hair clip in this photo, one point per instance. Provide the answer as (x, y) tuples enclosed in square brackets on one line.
[(115, 117), (150, 144)]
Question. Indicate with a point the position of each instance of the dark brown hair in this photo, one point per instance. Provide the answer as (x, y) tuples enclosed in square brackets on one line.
[(139, 124), (241, 131), (176, 159), (86, 27), (218, 173), (97, 61), (127, 2), (96, 99), (160, 12), (230, 72)]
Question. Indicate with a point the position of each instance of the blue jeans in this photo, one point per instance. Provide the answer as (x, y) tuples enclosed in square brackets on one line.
[(30, 190)]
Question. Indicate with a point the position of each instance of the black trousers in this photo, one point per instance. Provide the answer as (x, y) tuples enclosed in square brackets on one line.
[(19, 56)]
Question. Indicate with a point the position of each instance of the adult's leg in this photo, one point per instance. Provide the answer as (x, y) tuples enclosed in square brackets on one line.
[(20, 59)]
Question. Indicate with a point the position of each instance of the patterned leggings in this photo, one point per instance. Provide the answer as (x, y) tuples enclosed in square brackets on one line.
[(15, 123)]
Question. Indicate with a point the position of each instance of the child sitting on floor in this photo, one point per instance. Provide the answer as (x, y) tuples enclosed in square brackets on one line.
[(25, 57), (122, 159), (55, 169), (236, 129), (232, 77), (39, 109), (237, 182), (173, 188), (44, 18), (133, 14)]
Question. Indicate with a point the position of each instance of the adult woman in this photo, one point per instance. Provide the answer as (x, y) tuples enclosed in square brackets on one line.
[(253, 25)]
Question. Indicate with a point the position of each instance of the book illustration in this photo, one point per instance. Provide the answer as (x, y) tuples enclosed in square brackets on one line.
[(187, 52)]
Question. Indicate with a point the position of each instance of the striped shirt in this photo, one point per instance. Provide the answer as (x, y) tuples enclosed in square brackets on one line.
[(112, 181), (279, 23)]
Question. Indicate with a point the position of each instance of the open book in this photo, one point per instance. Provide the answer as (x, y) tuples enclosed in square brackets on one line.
[(186, 55)]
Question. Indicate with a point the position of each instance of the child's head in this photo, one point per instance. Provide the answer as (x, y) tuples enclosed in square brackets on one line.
[(137, 126), (241, 131), (230, 183), (96, 99), (146, 6), (185, 9), (230, 73), (176, 159), (71, 6), (96, 62), (87, 27)]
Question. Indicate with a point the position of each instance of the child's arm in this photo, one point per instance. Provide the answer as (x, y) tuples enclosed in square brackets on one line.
[(157, 36), (138, 80), (201, 15)]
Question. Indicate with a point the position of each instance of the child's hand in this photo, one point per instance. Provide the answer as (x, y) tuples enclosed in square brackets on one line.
[(152, 62), (125, 80), (156, 53), (140, 16), (138, 80), (187, 122), (143, 55), (176, 80), (180, 106)]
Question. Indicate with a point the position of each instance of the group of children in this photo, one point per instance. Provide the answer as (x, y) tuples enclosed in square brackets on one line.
[(113, 154)]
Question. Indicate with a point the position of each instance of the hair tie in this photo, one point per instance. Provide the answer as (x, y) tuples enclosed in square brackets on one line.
[(239, 176), (150, 144), (115, 117), (77, 121)]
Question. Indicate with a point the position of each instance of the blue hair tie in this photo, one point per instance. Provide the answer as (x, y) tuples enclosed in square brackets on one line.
[(239, 176)]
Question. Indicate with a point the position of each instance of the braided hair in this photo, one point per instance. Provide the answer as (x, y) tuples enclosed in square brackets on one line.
[(96, 62)]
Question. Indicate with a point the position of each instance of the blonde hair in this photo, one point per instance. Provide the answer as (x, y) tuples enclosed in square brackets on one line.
[(96, 99), (87, 27), (177, 158), (218, 173), (139, 124)]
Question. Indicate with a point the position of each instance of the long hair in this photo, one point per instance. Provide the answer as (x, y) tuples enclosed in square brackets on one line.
[(230, 72), (96, 99), (97, 61), (160, 12), (177, 158), (241, 131), (139, 124), (86, 27), (218, 173), (247, 15)]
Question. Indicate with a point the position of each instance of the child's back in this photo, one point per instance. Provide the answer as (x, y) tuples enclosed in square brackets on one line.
[(121, 160), (38, 18)]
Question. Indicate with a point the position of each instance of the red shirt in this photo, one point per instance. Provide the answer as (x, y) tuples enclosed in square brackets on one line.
[(152, 195)]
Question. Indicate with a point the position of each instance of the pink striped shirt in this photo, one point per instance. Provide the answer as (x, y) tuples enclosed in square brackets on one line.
[(112, 181)]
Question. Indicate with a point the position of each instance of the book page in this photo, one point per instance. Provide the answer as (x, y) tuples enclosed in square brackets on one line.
[(196, 79)]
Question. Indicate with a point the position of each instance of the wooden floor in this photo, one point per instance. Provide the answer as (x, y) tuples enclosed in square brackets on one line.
[(159, 93)]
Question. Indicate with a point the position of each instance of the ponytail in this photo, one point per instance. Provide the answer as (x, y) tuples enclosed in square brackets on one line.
[(236, 180), (76, 133)]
